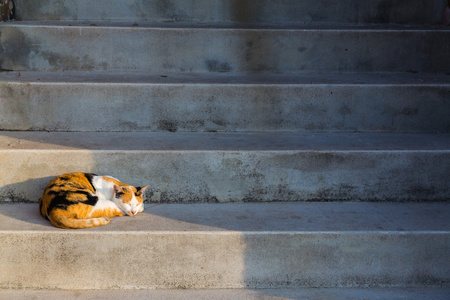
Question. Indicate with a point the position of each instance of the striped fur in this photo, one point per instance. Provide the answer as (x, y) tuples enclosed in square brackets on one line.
[(84, 200)]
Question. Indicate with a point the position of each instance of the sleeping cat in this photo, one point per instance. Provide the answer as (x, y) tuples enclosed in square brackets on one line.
[(84, 200)]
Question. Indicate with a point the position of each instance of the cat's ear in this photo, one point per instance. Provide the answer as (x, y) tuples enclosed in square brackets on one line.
[(141, 189), (117, 190)]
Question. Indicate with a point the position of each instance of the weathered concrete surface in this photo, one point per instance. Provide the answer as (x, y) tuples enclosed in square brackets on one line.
[(233, 294), (219, 167), (223, 141), (38, 47), (311, 217), (232, 246), (232, 11), (299, 103), (179, 246), (264, 245)]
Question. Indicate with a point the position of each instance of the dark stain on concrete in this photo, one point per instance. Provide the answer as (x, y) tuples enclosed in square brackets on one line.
[(16, 47), (217, 66), (421, 191), (70, 62), (407, 111), (220, 122), (168, 125), (384, 9), (167, 10), (243, 11), (186, 197), (32, 10), (345, 110)]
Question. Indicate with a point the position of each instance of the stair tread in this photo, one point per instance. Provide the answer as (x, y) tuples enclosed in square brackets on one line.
[(231, 79), (264, 218), (222, 141), (258, 184), (224, 25), (280, 293)]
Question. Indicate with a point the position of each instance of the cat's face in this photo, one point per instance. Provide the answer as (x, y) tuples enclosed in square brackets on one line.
[(129, 199)]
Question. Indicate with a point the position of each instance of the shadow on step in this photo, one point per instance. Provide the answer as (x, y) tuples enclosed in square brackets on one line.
[(25, 191), (314, 245), (253, 246), (21, 192)]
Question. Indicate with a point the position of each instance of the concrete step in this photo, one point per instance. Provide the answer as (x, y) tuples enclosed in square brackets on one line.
[(66, 101), (233, 294), (235, 167), (199, 246), (94, 47), (232, 11)]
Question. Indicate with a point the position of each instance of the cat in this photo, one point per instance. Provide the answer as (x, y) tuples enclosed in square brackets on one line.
[(85, 200), (7, 10)]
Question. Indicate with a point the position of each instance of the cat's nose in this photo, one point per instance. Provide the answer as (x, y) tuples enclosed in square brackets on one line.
[(134, 212)]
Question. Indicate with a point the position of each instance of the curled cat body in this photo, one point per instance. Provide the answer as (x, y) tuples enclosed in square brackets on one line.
[(85, 200)]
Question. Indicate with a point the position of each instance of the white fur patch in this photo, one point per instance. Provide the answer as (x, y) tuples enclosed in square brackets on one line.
[(104, 204), (103, 189)]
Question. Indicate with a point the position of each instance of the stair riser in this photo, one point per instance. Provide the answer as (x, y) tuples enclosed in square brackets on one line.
[(135, 260), (233, 11), (224, 107), (112, 49), (224, 176)]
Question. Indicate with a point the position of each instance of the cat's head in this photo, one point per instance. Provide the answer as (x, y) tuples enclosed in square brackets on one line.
[(129, 198)]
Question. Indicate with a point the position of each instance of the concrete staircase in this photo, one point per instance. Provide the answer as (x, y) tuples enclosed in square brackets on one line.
[(287, 145)]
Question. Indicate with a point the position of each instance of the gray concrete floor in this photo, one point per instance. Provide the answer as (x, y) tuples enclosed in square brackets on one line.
[(257, 217), (313, 294), (223, 141)]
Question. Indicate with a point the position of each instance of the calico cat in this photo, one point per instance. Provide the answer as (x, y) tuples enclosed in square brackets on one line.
[(7, 10), (84, 200)]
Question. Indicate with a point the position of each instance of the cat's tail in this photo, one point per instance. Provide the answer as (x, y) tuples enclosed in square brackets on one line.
[(62, 221)]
